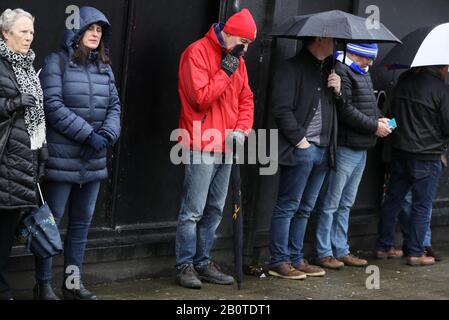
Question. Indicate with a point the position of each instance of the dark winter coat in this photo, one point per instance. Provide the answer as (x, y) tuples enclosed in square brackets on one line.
[(298, 85), (420, 105), (18, 163), (358, 118), (78, 100)]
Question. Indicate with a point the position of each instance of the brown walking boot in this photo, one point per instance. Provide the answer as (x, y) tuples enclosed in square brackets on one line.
[(286, 271), (390, 254), (353, 261), (310, 270), (420, 261), (329, 262)]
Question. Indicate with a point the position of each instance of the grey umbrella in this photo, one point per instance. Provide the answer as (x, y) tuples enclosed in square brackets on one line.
[(335, 24)]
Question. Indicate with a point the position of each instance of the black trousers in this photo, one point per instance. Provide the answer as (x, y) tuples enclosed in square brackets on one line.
[(8, 224)]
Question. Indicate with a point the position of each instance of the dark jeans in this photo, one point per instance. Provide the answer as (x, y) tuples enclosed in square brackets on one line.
[(405, 220), (80, 202), (8, 224), (422, 177), (299, 187)]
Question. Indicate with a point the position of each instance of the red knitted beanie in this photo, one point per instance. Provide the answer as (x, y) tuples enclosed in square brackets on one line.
[(241, 24)]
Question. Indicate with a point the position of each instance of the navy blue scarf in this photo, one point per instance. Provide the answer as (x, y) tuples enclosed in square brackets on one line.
[(218, 27)]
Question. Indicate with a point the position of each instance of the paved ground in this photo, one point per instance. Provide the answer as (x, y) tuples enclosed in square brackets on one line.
[(397, 281)]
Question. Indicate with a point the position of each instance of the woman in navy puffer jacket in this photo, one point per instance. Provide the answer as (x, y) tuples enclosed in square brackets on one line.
[(82, 109)]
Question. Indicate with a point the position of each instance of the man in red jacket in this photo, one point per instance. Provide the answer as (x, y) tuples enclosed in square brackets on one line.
[(216, 105)]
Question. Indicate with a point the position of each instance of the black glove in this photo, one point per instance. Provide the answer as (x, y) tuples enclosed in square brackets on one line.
[(20, 102), (97, 142), (231, 61)]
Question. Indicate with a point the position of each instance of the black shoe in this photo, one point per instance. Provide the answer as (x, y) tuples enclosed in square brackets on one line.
[(405, 250), (188, 278), (43, 291), (430, 252), (78, 294), (212, 273), (6, 298)]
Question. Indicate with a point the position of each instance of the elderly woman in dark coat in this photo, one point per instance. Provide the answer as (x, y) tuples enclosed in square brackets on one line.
[(22, 129), (83, 120)]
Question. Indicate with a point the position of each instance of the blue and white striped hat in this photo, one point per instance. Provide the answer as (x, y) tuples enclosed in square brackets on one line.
[(368, 50)]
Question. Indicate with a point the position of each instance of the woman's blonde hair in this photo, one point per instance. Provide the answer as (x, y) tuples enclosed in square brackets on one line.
[(9, 18)]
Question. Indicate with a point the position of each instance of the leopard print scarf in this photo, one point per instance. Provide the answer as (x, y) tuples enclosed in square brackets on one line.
[(28, 81)]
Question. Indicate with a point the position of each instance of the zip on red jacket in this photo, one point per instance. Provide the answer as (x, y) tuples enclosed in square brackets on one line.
[(210, 98)]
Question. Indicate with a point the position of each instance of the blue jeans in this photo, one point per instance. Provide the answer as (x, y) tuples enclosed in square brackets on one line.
[(422, 177), (405, 221), (299, 187), (336, 200), (80, 202), (204, 195)]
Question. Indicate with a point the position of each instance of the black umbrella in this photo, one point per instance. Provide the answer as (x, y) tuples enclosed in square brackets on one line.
[(335, 24), (425, 46), (237, 217)]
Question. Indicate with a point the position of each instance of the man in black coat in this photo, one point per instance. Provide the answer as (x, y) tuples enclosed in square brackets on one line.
[(359, 125), (420, 105), (304, 98)]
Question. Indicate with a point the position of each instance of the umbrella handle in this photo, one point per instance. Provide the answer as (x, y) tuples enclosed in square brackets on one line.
[(334, 51), (334, 55), (236, 212), (40, 192)]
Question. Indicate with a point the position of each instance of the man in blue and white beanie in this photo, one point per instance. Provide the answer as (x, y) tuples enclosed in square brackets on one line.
[(359, 56), (368, 50), (359, 125)]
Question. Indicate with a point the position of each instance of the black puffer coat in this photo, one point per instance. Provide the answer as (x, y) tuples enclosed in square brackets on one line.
[(358, 118), (18, 163)]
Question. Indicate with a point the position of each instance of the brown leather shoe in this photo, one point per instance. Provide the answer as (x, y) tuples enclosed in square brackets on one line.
[(420, 261), (286, 271), (353, 261), (330, 263), (310, 270), (390, 254)]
